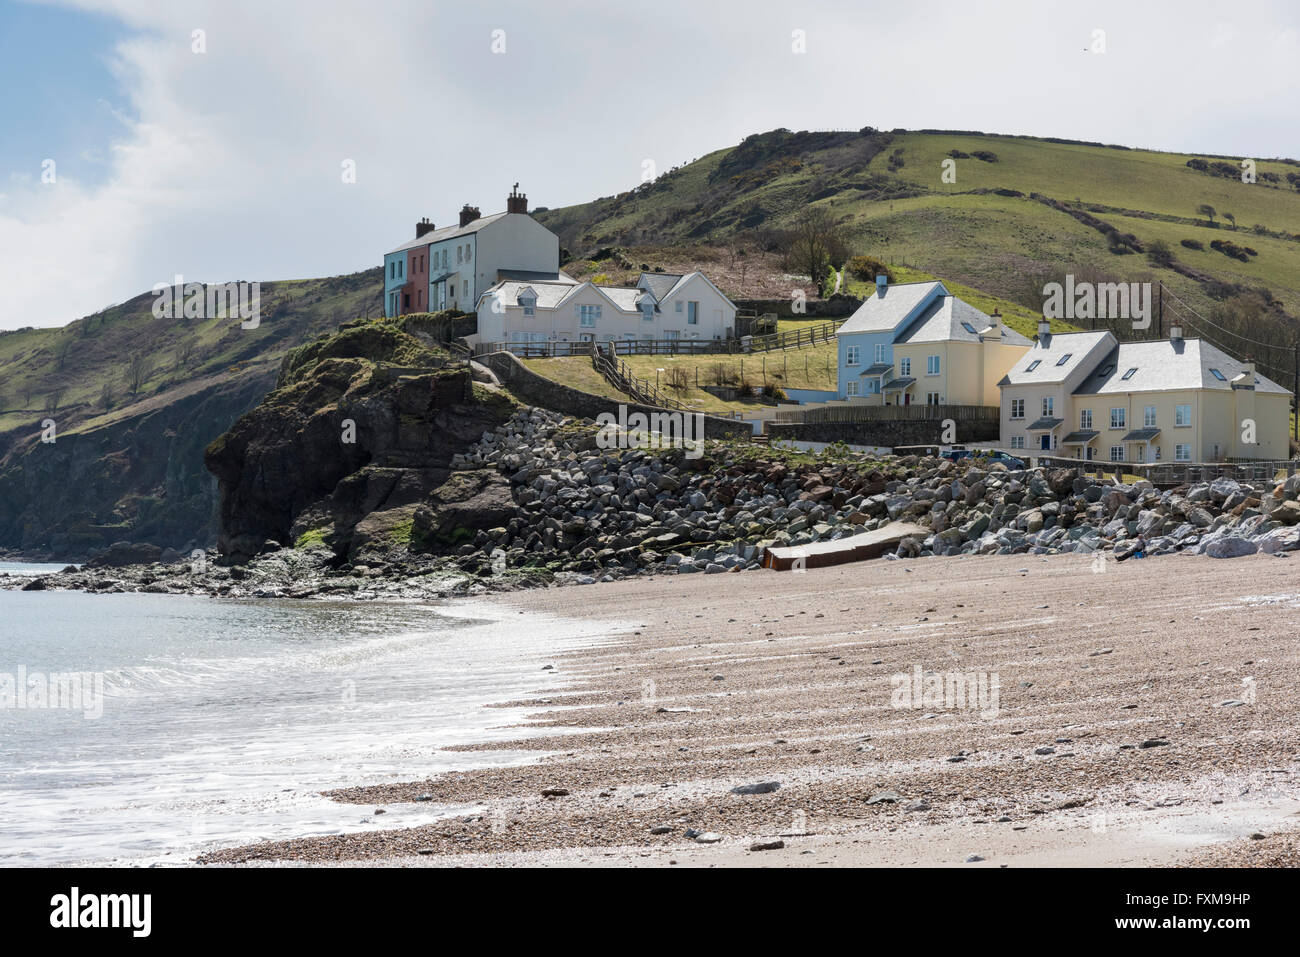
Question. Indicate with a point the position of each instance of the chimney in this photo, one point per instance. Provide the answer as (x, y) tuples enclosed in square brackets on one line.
[(468, 214), (1176, 332), (422, 227), (882, 283), (994, 332), (1044, 329), (517, 202)]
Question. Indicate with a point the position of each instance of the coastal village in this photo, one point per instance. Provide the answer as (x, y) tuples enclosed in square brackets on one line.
[(1071, 395)]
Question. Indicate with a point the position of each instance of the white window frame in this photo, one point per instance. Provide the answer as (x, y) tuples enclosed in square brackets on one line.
[(851, 387), (588, 315), (1149, 417), (1117, 453), (1017, 408), (1182, 416), (1085, 418), (692, 313), (1049, 406), (1182, 452), (853, 356), (880, 352), (1118, 418), (905, 365), (932, 365), (1017, 441), (933, 398)]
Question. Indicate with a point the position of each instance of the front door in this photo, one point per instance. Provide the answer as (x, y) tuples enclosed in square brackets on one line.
[(1046, 445)]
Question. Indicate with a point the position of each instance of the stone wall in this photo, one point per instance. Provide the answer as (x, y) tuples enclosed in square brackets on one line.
[(832, 308), (542, 392), (885, 433)]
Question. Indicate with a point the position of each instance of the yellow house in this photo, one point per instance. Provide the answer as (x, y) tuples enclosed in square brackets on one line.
[(916, 343), (1168, 400)]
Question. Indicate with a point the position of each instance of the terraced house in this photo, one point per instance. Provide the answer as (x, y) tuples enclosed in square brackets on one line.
[(449, 268), (1086, 395), (913, 343), (661, 306)]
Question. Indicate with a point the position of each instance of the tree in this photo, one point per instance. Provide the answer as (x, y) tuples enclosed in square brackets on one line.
[(54, 397), (1160, 254), (137, 373), (1208, 211), (816, 243), (1232, 219)]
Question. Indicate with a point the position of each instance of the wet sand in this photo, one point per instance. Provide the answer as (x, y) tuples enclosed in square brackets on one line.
[(1166, 690)]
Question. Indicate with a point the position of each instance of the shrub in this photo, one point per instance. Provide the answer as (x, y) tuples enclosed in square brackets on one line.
[(958, 154), (867, 268), (986, 155), (1194, 244)]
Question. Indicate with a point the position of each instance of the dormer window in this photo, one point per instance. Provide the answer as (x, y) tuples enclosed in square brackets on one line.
[(648, 311), (530, 305)]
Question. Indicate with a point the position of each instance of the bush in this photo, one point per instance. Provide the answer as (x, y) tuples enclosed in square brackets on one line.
[(958, 155), (1194, 244), (867, 268), (1159, 253), (985, 155)]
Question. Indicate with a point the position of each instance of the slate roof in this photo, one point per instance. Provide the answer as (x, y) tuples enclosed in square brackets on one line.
[(1164, 366), (1045, 424), (1141, 435), (945, 320), (884, 313), (1082, 436), (1048, 352), (448, 232)]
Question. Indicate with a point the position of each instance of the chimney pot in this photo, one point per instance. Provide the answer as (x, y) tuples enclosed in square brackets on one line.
[(516, 202), (1044, 329)]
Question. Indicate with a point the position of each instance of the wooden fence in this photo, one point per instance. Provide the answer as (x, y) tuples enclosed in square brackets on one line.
[(859, 412), (1170, 474)]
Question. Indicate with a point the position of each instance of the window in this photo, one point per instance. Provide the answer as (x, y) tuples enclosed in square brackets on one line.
[(672, 334), (586, 337), (1049, 405), (968, 327), (465, 289), (1218, 375), (1017, 441), (905, 366), (1129, 374), (1182, 415), (1117, 417), (1117, 453), (851, 388), (1157, 448), (880, 352), (1182, 453), (931, 365), (1149, 417), (460, 254), (530, 306), (1085, 419), (932, 398), (1033, 365), (587, 315), (677, 305), (692, 313), (851, 355), (648, 312), (1017, 408), (1064, 359)]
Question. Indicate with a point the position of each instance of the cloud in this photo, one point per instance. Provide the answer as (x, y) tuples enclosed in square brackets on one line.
[(227, 163)]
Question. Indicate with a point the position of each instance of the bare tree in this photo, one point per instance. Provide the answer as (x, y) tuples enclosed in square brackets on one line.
[(817, 243), (137, 373)]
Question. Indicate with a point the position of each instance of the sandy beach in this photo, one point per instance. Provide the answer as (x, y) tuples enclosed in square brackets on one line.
[(1139, 714)]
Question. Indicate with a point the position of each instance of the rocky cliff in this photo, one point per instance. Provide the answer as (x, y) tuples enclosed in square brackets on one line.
[(358, 434)]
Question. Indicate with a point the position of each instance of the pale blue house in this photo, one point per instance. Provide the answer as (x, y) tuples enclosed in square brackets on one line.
[(866, 340)]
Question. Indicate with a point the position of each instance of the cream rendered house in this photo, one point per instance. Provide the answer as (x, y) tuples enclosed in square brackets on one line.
[(916, 343), (1170, 400), (661, 306)]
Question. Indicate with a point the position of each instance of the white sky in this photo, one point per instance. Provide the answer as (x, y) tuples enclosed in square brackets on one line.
[(227, 164)]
